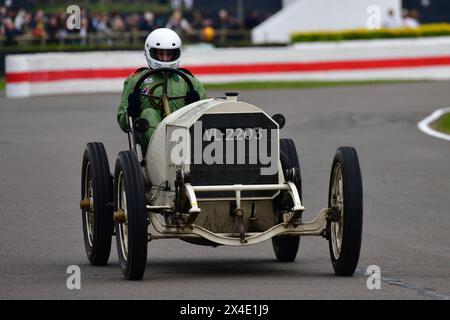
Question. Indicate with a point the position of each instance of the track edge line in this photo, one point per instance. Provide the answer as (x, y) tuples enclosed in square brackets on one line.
[(425, 128)]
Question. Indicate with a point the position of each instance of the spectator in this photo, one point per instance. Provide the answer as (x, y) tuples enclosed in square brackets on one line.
[(26, 26), (103, 25), (95, 22), (226, 21), (39, 22), (52, 29), (20, 20), (84, 14), (84, 30), (147, 22), (178, 24), (118, 24), (392, 20), (62, 32), (411, 19), (197, 21), (3, 12), (9, 31), (132, 22), (104, 28)]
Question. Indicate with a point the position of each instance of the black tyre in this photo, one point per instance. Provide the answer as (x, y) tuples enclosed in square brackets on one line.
[(345, 198), (286, 247), (131, 233), (96, 204)]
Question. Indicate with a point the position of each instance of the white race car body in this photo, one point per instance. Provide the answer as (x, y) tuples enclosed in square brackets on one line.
[(160, 165), (243, 172)]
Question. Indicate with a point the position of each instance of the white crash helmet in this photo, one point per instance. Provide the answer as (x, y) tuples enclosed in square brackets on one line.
[(163, 38)]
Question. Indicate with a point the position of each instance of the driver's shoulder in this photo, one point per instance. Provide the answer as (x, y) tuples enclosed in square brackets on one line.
[(134, 77), (137, 74), (186, 72), (190, 75), (139, 71)]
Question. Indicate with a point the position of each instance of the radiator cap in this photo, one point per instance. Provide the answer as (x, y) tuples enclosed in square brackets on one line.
[(231, 96)]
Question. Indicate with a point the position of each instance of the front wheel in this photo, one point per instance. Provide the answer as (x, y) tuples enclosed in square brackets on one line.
[(345, 199), (131, 215), (96, 204)]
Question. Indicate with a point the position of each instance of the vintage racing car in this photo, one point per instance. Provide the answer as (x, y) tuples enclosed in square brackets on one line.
[(215, 173)]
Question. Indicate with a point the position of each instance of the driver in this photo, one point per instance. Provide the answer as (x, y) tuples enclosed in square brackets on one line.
[(162, 50)]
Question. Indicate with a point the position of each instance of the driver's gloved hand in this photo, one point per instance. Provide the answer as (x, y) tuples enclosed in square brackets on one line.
[(134, 107), (191, 96)]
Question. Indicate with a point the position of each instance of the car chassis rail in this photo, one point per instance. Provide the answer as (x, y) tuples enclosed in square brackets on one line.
[(313, 228), (289, 226)]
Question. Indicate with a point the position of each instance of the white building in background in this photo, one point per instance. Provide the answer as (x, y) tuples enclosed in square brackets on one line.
[(317, 15), (287, 2)]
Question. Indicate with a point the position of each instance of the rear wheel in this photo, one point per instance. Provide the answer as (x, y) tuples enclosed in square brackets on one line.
[(131, 224), (96, 204), (345, 199), (286, 247)]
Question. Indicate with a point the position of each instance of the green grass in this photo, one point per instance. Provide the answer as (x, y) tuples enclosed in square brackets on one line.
[(443, 123), (284, 85), (294, 84)]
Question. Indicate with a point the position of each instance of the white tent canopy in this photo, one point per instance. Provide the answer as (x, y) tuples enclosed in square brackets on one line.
[(315, 15)]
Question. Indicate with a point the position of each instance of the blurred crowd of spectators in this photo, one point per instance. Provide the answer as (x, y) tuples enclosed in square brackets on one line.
[(53, 26), (408, 19), (188, 22)]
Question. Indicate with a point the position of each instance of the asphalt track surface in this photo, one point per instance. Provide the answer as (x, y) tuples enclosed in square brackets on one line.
[(406, 177)]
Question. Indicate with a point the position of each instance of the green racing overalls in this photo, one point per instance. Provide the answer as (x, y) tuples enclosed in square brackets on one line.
[(151, 109)]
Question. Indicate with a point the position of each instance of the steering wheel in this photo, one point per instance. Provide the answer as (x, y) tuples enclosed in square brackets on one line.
[(163, 100)]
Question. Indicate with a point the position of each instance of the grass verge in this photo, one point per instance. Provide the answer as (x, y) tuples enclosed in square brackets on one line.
[(233, 86), (425, 30), (442, 124), (294, 84)]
